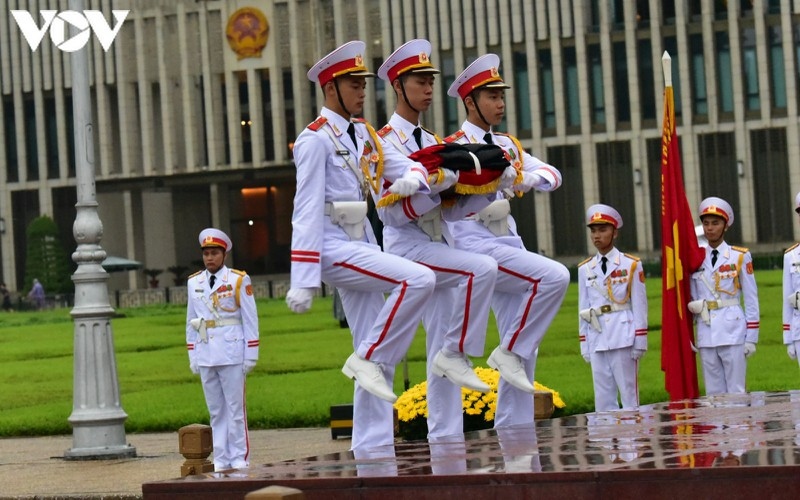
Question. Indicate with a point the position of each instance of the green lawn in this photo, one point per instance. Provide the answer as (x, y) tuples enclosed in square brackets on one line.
[(298, 376)]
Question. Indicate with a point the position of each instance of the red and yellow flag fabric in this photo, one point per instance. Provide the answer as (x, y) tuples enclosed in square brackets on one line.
[(680, 256)]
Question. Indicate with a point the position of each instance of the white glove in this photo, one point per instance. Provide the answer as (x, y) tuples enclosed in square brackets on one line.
[(529, 181), (636, 354), (749, 349), (507, 178), (409, 183), (791, 350), (299, 299), (193, 367), (587, 357), (447, 180), (248, 366)]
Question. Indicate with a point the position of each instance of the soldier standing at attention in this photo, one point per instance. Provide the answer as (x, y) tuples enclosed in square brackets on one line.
[(726, 333), (529, 288), (612, 324), (338, 159), (222, 339), (456, 316), (791, 294)]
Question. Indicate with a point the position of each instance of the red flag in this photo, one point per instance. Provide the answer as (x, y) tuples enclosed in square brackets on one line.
[(680, 255)]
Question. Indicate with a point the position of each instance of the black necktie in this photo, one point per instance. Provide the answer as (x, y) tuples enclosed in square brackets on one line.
[(211, 281), (418, 137), (714, 254), (351, 131), (488, 138), (603, 264)]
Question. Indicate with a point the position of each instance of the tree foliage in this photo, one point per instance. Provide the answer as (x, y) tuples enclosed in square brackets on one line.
[(46, 258)]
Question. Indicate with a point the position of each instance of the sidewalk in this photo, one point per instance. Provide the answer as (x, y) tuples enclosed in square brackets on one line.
[(35, 468)]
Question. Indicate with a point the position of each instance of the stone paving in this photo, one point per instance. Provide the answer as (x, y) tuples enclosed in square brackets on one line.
[(34, 468)]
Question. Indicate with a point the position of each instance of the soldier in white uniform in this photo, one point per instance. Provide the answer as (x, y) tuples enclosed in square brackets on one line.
[(612, 305), (530, 287), (791, 295), (222, 339), (456, 316), (726, 332), (333, 242)]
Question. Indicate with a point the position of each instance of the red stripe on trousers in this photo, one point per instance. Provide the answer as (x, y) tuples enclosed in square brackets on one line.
[(467, 303), (527, 306), (388, 323)]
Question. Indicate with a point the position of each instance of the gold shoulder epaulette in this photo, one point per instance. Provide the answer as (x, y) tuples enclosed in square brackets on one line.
[(316, 124), (240, 273), (632, 257), (584, 262), (383, 132), (792, 247), (195, 274), (454, 137), (740, 249)]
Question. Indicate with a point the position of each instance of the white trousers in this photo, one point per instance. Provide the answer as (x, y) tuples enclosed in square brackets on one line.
[(724, 369), (382, 328), (528, 294), (224, 389), (614, 372), (455, 318)]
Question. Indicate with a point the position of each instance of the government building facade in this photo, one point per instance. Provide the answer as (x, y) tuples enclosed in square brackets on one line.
[(196, 103)]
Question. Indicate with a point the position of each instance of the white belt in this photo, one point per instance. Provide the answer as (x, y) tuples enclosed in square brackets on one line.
[(608, 308), (214, 323), (495, 217), (719, 304)]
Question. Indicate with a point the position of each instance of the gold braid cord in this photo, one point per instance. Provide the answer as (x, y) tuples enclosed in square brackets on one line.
[(374, 182)]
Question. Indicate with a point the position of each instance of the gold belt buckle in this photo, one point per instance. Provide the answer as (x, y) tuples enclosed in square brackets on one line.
[(211, 323), (605, 308), (712, 304)]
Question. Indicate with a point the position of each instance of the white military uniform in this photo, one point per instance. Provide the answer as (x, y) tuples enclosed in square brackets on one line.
[(617, 299), (721, 340), (529, 288), (791, 294), (331, 169), (457, 313), (791, 297), (228, 337)]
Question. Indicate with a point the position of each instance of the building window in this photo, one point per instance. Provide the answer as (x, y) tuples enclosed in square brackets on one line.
[(598, 103), (566, 202), (724, 83), (720, 9), (654, 183), (451, 105), (750, 66), (571, 91), (643, 13), (9, 122), (772, 195), (381, 97), (31, 142), (617, 15), (719, 172), (622, 93), (699, 94), (521, 94), (548, 98), (615, 178), (51, 136), (266, 114), (778, 69), (671, 46), (68, 113), (647, 90), (246, 121), (668, 11)]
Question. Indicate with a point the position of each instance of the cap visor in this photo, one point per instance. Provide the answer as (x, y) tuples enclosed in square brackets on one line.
[(496, 85), (360, 73)]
